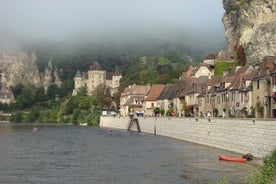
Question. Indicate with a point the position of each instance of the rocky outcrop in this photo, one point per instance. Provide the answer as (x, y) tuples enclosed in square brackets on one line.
[(17, 67), (250, 29)]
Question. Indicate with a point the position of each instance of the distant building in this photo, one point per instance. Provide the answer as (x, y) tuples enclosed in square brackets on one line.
[(133, 96), (150, 102), (94, 77)]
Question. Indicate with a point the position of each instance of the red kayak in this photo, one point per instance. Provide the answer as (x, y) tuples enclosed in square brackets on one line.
[(233, 159)]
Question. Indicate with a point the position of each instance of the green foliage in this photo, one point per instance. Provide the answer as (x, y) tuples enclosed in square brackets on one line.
[(221, 66), (17, 117), (33, 114), (223, 181), (260, 109), (157, 111), (3, 106), (265, 174), (75, 116), (170, 112), (103, 96)]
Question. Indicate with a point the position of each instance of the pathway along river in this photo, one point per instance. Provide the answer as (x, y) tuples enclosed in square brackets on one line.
[(74, 154)]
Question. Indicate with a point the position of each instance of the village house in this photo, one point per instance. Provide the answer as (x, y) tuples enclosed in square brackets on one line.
[(150, 102), (207, 97), (94, 77), (189, 87), (165, 99), (132, 99), (273, 94), (210, 60), (263, 88), (6, 97), (246, 91)]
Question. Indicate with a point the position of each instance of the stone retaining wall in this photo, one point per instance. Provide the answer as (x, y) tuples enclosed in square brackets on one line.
[(243, 136)]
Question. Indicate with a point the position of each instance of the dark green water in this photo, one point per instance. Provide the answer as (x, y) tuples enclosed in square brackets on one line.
[(74, 154)]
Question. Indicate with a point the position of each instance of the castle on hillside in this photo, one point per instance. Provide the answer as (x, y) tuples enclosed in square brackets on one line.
[(94, 77)]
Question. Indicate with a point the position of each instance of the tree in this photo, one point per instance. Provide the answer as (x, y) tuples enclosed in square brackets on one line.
[(157, 111), (103, 96)]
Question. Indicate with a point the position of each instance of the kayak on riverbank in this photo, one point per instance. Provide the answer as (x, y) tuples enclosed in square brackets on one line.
[(232, 159)]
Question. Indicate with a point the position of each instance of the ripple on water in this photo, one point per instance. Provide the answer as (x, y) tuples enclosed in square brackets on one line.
[(72, 154)]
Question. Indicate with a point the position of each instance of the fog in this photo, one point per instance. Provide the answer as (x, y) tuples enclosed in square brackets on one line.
[(108, 20)]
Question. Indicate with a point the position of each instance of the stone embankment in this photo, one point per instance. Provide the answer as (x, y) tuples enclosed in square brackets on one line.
[(257, 137)]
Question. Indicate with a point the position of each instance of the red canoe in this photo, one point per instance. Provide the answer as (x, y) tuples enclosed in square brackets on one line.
[(233, 159)]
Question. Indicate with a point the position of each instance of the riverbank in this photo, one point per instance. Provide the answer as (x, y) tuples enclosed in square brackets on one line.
[(257, 136)]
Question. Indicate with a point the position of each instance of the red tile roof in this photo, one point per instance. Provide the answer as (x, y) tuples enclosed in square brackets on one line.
[(154, 92), (135, 89)]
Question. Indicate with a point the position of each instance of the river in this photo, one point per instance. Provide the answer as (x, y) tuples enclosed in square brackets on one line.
[(76, 154)]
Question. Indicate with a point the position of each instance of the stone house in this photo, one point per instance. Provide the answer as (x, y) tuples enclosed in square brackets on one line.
[(207, 95), (133, 97), (6, 97), (190, 86), (195, 87), (263, 88), (150, 102), (165, 100), (210, 60), (203, 69), (273, 94)]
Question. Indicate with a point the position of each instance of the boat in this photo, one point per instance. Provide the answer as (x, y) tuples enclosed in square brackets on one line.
[(233, 159)]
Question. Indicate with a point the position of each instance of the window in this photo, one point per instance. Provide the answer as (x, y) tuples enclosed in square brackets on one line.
[(258, 84), (200, 103), (246, 97), (218, 100), (274, 80), (233, 96), (223, 97), (152, 104), (207, 99)]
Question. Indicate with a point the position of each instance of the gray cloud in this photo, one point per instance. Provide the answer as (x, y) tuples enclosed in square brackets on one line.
[(95, 19)]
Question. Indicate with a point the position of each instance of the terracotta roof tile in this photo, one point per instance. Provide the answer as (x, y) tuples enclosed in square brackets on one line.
[(136, 89), (155, 91)]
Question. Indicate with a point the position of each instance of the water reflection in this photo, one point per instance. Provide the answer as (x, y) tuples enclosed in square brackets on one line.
[(72, 154)]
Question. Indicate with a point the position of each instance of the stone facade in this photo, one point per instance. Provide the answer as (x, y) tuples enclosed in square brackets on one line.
[(94, 77), (238, 135), (244, 91), (132, 97)]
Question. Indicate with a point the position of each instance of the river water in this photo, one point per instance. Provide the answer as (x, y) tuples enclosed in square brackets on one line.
[(75, 154)]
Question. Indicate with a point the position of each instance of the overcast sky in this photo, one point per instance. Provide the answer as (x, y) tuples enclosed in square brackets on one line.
[(60, 19)]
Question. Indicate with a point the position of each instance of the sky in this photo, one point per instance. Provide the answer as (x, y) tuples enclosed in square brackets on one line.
[(66, 19)]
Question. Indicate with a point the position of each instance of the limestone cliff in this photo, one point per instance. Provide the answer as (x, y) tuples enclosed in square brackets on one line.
[(250, 29), (18, 67)]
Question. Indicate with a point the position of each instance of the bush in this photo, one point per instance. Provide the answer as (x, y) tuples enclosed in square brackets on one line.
[(17, 117), (222, 181), (265, 174), (221, 66)]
